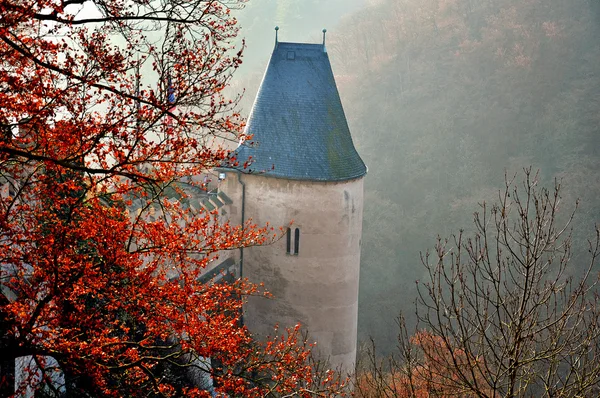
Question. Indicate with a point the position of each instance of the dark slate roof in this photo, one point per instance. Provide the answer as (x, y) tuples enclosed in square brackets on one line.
[(298, 125)]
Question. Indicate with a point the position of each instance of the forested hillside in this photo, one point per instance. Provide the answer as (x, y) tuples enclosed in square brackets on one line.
[(442, 97)]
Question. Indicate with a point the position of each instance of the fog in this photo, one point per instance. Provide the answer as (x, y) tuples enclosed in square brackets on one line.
[(443, 97), (299, 21)]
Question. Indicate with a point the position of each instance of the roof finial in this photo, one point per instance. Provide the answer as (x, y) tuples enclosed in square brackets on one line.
[(276, 32), (324, 31)]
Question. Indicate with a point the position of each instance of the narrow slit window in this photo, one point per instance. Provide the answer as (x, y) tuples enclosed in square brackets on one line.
[(296, 241), (288, 246)]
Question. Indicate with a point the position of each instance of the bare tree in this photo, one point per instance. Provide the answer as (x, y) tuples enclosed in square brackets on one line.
[(503, 313)]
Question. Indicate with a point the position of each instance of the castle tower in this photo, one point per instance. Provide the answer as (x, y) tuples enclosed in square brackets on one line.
[(303, 169)]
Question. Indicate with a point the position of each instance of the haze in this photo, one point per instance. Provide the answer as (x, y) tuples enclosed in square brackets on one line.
[(443, 97)]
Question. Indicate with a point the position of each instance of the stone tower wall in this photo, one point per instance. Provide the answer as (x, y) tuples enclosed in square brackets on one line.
[(317, 288)]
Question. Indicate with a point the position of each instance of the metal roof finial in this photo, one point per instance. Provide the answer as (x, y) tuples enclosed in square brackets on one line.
[(324, 31), (276, 33)]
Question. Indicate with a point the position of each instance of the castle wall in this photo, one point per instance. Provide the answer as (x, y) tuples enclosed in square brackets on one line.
[(317, 288)]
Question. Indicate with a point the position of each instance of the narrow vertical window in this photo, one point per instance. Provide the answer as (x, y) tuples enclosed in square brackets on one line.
[(296, 241), (288, 246)]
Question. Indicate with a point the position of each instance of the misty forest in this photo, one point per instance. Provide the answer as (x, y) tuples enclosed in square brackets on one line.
[(443, 98)]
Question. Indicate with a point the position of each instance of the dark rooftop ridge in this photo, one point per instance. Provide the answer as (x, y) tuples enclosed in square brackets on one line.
[(298, 124)]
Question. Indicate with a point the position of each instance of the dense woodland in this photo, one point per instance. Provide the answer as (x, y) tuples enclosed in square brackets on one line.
[(443, 97)]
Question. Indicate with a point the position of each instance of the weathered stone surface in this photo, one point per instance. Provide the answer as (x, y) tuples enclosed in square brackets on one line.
[(317, 288)]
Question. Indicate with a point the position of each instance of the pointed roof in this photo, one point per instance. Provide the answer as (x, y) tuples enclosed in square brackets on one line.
[(298, 124)]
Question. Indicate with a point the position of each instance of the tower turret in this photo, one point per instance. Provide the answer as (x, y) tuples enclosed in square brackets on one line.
[(302, 167)]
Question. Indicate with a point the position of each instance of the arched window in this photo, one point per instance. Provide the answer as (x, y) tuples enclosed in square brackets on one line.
[(288, 247), (296, 241)]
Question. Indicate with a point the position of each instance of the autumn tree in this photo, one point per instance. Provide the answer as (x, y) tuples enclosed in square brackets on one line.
[(109, 110), (501, 313), (413, 378)]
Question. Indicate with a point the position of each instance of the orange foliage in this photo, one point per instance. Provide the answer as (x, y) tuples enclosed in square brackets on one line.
[(440, 371), (116, 297)]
